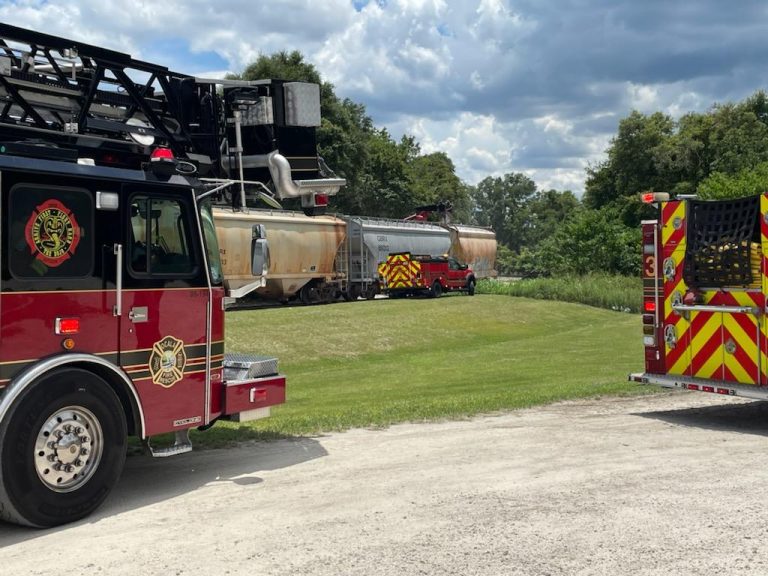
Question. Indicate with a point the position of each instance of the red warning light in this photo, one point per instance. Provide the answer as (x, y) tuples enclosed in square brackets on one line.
[(67, 325), (652, 197), (161, 153)]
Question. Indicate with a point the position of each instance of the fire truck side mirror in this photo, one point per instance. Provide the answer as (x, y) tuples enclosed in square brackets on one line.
[(259, 257)]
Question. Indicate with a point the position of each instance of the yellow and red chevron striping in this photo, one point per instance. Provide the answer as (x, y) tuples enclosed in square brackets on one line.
[(672, 225), (725, 345), (678, 357), (706, 345), (400, 271), (763, 223)]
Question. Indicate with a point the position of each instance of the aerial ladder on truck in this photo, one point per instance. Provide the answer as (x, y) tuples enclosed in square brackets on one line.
[(111, 294)]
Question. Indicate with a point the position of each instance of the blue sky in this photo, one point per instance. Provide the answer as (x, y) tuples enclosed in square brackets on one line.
[(499, 85)]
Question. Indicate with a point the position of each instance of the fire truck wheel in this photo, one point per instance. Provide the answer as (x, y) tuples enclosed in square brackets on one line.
[(437, 290), (471, 287), (62, 448)]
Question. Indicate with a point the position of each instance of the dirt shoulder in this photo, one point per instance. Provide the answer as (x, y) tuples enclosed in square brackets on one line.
[(667, 484)]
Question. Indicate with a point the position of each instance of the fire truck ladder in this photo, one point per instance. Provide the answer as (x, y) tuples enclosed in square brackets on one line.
[(69, 101), (75, 100)]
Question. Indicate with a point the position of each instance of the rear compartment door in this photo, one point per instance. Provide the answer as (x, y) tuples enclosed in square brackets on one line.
[(725, 345)]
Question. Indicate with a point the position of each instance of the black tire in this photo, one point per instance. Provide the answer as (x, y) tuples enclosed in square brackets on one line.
[(471, 287), (371, 292), (437, 290), (32, 491)]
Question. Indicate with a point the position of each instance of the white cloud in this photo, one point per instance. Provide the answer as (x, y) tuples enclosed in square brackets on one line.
[(643, 98), (500, 85)]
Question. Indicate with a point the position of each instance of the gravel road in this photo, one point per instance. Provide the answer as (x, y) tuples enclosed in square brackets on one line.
[(665, 484)]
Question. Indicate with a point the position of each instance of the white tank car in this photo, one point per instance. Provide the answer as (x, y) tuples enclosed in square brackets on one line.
[(278, 254), (474, 246)]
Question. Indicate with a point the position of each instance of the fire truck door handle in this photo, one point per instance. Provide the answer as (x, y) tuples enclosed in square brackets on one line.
[(118, 252), (138, 314)]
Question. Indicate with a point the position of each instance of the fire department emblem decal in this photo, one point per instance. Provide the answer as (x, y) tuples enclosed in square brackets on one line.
[(166, 364), (53, 233)]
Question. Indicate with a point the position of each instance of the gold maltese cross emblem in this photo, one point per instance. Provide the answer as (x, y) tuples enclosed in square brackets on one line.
[(166, 364)]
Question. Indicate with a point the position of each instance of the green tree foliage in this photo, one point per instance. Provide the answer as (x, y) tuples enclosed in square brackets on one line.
[(591, 241), (383, 189), (652, 152), (433, 179), (501, 203), (547, 211), (746, 182), (630, 167)]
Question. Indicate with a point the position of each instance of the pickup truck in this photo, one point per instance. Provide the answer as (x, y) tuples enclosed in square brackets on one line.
[(406, 274)]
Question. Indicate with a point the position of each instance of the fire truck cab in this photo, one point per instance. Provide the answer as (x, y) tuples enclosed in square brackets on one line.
[(111, 324), (111, 290)]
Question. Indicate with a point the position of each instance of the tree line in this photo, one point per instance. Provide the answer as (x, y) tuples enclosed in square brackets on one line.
[(722, 152)]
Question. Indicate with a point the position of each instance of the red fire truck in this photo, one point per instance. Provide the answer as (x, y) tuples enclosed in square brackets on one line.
[(705, 279), (111, 294), (406, 274)]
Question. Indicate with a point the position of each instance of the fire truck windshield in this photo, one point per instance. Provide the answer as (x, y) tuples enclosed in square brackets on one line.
[(211, 244)]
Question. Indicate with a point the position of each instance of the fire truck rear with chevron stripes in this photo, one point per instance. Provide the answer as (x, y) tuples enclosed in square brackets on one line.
[(705, 281), (406, 274), (111, 291)]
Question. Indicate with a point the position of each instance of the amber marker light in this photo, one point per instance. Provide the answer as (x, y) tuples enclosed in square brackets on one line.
[(68, 343)]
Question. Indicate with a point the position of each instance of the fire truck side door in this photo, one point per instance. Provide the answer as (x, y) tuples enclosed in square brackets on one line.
[(456, 274), (165, 304)]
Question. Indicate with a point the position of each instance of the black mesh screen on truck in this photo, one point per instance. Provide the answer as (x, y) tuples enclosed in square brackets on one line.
[(720, 239)]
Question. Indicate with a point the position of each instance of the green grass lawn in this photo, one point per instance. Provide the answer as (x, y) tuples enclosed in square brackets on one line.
[(380, 362)]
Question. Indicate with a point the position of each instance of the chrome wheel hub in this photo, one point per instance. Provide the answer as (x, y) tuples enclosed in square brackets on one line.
[(68, 449)]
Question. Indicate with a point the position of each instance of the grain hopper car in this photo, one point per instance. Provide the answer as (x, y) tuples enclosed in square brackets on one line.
[(280, 254), (474, 246)]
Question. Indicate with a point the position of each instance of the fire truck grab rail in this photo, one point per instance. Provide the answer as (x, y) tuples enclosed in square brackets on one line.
[(755, 311)]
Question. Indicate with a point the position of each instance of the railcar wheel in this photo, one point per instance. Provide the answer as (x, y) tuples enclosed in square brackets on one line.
[(62, 449), (354, 292), (437, 290), (471, 287), (309, 294)]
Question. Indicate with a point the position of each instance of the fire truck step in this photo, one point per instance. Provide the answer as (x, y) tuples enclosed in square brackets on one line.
[(181, 445)]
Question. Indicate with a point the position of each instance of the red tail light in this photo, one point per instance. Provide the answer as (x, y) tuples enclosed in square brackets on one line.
[(649, 306)]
